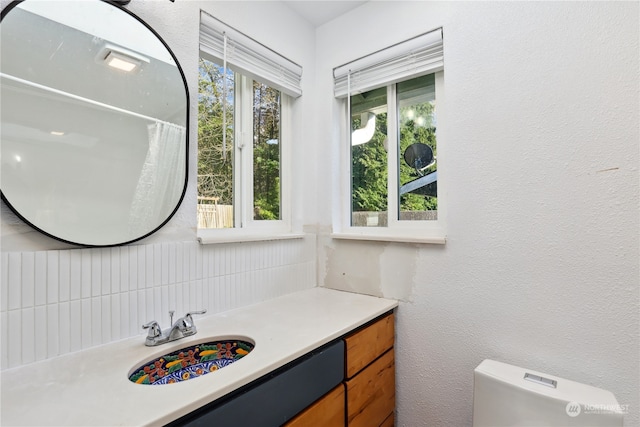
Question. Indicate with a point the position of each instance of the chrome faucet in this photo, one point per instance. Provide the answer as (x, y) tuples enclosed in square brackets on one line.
[(184, 327)]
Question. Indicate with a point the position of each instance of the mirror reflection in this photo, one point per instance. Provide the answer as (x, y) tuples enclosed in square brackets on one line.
[(93, 126)]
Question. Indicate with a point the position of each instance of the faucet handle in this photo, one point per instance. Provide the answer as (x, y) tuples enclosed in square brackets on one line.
[(154, 329), (196, 312), (188, 320)]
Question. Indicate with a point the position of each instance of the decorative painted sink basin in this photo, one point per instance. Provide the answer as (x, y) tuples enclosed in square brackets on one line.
[(191, 362)]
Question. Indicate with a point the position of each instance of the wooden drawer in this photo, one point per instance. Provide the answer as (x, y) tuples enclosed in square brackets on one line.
[(364, 346), (329, 411), (389, 422), (371, 396)]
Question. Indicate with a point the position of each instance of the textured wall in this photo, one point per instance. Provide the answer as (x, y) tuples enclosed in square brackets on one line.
[(540, 150)]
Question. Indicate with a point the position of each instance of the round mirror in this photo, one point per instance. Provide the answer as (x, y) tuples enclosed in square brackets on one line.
[(94, 122)]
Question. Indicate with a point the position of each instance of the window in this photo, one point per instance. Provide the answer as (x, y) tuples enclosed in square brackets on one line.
[(220, 166), (244, 99), (390, 180)]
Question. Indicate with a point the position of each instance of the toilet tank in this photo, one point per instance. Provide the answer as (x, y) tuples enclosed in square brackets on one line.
[(506, 395)]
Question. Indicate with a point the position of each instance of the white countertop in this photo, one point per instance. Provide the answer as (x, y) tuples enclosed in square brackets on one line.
[(91, 387)]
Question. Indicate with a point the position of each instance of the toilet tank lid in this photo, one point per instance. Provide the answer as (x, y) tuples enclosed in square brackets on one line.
[(566, 390)]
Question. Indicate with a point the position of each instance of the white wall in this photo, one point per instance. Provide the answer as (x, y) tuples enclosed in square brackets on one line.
[(540, 268), (57, 299)]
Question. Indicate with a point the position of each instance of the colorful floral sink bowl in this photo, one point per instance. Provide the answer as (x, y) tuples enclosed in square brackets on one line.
[(191, 362)]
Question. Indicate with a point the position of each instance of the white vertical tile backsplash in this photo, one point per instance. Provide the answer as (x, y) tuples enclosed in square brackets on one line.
[(41, 335), (75, 274), (4, 291), (14, 344), (75, 326), (85, 323), (53, 277), (41, 278), (53, 329), (96, 321), (28, 279), (14, 271), (134, 324), (141, 269), (116, 317), (28, 335), (4, 338), (85, 274), (64, 331), (105, 270), (105, 321), (57, 302), (115, 270), (149, 265), (124, 268), (125, 314), (133, 268), (64, 271)]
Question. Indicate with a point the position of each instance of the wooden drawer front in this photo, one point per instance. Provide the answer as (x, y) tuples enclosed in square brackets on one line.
[(364, 346), (389, 422), (327, 412), (371, 395)]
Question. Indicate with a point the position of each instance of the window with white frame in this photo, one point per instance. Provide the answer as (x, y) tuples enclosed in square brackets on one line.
[(245, 92), (390, 155)]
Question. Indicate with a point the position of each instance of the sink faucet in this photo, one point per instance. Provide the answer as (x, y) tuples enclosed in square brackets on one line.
[(184, 327)]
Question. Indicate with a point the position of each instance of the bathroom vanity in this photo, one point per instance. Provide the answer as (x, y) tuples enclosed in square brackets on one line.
[(350, 381), (366, 397), (345, 338)]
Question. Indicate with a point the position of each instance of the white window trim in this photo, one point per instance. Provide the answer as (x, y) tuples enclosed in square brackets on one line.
[(433, 231), (247, 229), (250, 236)]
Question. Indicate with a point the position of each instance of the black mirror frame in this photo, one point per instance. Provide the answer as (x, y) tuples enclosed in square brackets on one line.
[(118, 4)]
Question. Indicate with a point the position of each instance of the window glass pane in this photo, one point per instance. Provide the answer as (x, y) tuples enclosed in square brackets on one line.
[(418, 186), (215, 157), (369, 159), (266, 152)]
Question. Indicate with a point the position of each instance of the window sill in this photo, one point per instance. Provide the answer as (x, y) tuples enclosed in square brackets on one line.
[(205, 237), (381, 237)]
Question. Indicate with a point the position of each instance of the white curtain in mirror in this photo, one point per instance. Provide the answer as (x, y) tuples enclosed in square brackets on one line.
[(161, 178)]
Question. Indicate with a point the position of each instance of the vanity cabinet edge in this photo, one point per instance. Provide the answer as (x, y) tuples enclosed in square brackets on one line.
[(370, 374)]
